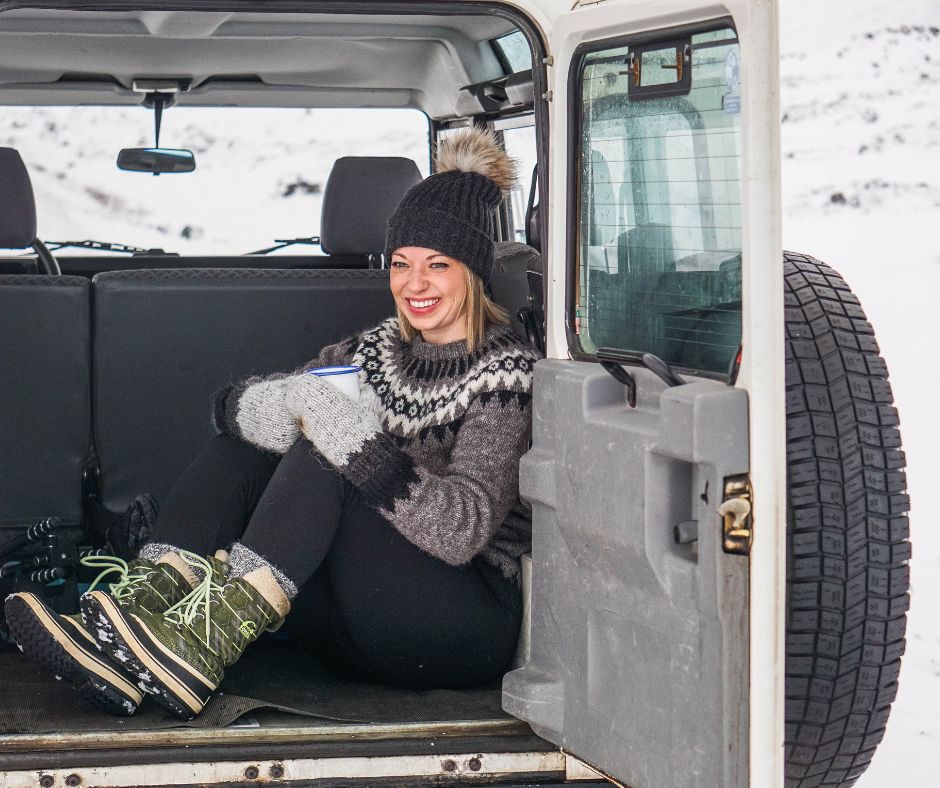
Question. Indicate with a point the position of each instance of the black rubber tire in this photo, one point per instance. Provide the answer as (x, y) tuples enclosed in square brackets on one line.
[(847, 532)]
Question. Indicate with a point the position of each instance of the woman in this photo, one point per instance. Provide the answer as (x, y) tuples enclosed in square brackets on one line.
[(390, 528)]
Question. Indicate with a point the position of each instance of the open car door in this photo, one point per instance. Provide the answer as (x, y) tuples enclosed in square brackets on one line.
[(657, 474)]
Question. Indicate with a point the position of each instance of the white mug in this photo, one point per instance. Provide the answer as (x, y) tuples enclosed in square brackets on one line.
[(343, 379)]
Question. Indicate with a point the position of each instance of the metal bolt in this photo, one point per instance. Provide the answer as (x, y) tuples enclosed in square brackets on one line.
[(474, 764), (450, 766), (276, 771), (251, 773), (46, 781), (72, 780)]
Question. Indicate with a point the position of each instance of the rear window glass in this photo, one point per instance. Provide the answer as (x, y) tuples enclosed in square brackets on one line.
[(259, 175), (659, 244)]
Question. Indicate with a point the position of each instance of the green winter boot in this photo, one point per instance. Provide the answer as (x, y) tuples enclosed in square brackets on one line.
[(64, 646), (180, 656), (153, 586)]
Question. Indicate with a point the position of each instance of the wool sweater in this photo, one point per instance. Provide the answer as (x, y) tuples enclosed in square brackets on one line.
[(444, 469)]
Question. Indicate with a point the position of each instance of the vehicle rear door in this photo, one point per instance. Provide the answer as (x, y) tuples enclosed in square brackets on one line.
[(656, 474)]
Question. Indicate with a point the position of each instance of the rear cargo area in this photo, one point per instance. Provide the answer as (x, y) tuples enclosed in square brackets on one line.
[(275, 677), (276, 702)]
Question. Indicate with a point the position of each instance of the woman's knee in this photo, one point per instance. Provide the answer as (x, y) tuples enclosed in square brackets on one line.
[(303, 459), (224, 451)]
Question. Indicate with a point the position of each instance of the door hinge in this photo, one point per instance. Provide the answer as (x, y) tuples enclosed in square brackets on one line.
[(735, 511)]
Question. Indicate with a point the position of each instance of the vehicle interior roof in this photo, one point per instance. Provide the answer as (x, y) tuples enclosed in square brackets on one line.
[(55, 57)]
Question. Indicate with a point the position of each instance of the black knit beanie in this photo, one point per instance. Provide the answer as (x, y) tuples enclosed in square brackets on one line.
[(453, 210)]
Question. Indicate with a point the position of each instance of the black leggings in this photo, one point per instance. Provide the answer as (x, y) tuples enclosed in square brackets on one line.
[(371, 603)]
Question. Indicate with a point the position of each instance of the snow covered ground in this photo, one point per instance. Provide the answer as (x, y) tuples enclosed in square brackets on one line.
[(861, 190)]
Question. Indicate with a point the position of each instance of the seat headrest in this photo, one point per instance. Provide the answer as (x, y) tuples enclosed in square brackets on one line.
[(516, 280), (17, 204), (361, 194)]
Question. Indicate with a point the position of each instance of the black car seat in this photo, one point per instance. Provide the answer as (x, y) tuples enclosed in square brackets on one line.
[(45, 398), (361, 194), (18, 212), (516, 285), (165, 340)]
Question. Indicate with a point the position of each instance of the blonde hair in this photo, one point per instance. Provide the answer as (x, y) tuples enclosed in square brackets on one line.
[(479, 313)]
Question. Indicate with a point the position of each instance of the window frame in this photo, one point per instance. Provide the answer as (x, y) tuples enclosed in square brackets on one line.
[(573, 185)]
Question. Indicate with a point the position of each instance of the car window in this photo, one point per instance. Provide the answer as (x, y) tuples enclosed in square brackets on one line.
[(659, 238), (520, 145), (259, 174), (513, 52)]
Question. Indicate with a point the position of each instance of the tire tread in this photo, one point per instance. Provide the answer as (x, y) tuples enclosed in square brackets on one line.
[(847, 576)]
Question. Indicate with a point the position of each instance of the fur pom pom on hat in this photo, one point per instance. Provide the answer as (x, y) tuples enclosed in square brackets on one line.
[(452, 210), (476, 150)]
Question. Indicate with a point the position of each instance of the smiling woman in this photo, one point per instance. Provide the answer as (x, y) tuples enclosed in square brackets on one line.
[(433, 292), (430, 292), (445, 224)]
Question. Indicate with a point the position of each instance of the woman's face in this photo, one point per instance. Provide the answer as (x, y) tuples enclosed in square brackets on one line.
[(431, 289)]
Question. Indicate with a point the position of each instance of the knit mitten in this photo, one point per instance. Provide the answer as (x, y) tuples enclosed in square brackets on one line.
[(256, 413), (337, 426)]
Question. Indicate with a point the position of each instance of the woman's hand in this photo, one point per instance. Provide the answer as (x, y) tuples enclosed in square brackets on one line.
[(332, 422), (262, 418)]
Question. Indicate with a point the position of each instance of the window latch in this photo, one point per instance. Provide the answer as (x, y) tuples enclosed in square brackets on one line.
[(613, 360), (621, 375)]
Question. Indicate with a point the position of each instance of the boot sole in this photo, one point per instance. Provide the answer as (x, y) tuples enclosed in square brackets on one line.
[(70, 654), (176, 685)]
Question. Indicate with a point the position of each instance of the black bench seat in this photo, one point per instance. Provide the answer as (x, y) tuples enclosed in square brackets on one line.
[(165, 340)]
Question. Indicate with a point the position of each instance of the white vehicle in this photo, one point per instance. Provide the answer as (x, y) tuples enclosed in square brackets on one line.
[(718, 579)]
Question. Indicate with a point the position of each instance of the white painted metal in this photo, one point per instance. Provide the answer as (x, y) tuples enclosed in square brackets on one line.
[(762, 370), (456, 767), (576, 769)]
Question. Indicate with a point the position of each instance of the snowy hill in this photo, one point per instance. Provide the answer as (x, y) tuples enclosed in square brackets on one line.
[(861, 190), (259, 173)]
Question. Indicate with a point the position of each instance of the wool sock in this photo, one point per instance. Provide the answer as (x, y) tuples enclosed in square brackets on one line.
[(243, 560), (154, 551)]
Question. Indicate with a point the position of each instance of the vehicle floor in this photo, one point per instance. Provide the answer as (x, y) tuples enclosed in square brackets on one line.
[(275, 684)]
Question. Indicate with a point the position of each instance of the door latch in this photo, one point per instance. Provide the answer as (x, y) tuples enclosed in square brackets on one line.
[(735, 511)]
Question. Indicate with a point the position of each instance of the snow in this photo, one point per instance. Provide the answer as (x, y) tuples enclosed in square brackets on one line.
[(259, 173), (861, 190), (860, 98)]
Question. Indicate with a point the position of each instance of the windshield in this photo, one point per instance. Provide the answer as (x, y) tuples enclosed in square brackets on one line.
[(259, 174)]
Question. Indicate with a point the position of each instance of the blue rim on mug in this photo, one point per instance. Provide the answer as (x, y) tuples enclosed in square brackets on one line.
[(322, 372)]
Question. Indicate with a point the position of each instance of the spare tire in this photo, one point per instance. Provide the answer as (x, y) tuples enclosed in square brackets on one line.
[(847, 532)]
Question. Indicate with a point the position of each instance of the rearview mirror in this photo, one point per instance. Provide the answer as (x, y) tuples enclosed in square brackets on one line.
[(156, 160)]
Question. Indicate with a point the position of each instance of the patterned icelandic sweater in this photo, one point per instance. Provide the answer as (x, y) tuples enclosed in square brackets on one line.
[(444, 470)]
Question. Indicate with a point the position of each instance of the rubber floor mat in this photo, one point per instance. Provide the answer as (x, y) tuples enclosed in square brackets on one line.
[(288, 678), (32, 701), (272, 675)]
